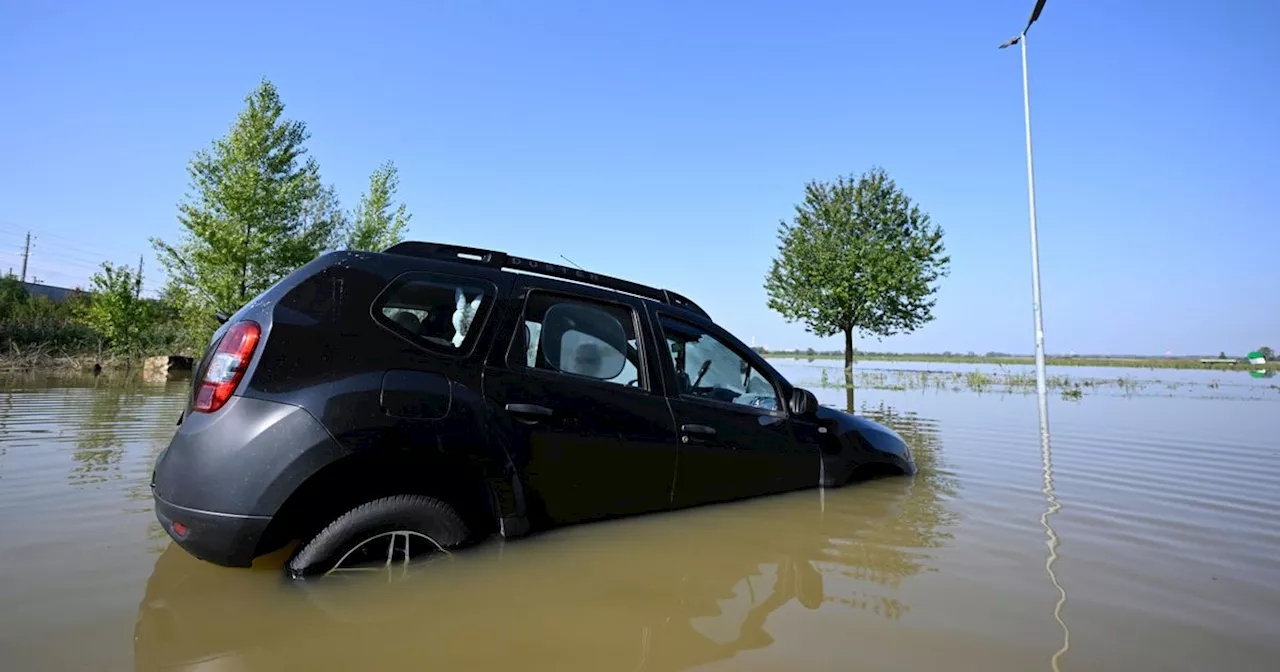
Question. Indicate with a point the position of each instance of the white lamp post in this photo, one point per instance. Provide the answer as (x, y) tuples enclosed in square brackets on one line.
[(1035, 246)]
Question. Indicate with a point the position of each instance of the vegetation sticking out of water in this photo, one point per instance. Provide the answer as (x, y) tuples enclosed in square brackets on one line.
[(1012, 360), (1001, 381)]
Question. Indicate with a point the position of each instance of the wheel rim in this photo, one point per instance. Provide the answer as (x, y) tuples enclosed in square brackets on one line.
[(398, 555)]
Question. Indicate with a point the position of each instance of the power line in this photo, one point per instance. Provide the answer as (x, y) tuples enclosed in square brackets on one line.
[(59, 258), (94, 257), (64, 264), (76, 249), (44, 233), (49, 251)]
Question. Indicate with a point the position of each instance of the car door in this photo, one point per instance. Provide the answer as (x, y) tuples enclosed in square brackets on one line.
[(735, 435), (575, 388)]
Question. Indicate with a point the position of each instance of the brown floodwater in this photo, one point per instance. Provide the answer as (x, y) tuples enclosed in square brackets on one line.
[(1144, 536)]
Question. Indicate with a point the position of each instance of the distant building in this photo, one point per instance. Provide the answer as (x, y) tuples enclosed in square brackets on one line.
[(56, 294)]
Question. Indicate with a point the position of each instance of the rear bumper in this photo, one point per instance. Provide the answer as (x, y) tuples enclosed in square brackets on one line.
[(225, 475), (221, 538)]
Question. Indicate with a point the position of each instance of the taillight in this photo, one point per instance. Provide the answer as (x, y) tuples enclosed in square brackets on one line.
[(227, 366)]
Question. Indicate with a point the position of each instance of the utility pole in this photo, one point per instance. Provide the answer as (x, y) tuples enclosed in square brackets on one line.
[(1041, 387), (26, 254), (137, 289)]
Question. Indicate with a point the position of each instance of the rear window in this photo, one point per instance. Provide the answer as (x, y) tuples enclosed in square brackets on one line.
[(439, 312)]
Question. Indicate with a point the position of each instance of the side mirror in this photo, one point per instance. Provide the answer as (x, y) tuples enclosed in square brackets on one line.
[(803, 402)]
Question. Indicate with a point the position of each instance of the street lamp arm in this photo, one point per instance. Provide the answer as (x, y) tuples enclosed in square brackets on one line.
[(1035, 14)]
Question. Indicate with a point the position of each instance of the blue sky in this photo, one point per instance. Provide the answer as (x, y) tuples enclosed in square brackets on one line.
[(663, 142)]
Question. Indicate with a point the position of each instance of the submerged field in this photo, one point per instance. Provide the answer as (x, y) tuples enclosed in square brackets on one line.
[(1114, 362), (1070, 383), (1141, 536)]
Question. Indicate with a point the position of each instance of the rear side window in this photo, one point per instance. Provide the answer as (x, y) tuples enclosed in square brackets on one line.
[(440, 312), (578, 337)]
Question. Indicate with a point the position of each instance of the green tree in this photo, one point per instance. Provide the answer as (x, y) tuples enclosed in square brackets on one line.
[(258, 212), (13, 298), (375, 224), (859, 256), (115, 310), (1267, 352)]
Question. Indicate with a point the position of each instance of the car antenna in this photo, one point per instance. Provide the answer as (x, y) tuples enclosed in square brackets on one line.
[(571, 261)]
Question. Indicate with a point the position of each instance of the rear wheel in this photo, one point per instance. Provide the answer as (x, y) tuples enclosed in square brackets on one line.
[(383, 535)]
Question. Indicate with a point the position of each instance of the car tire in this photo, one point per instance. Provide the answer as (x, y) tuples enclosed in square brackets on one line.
[(416, 516)]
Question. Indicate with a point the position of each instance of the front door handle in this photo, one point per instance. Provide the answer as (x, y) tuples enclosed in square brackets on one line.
[(702, 432), (529, 409)]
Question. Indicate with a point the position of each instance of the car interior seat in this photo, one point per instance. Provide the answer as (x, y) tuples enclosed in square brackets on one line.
[(521, 346), (406, 320), (436, 325)]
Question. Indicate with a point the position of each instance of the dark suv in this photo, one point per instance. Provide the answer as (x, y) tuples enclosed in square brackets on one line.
[(389, 405)]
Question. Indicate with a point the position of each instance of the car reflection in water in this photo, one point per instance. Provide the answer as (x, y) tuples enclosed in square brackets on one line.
[(651, 593)]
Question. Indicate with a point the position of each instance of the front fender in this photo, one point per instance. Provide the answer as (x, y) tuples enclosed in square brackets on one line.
[(858, 443)]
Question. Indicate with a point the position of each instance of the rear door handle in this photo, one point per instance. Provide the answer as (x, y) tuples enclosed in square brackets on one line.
[(698, 431), (529, 409)]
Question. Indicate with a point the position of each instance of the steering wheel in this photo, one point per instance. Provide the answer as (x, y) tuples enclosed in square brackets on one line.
[(634, 383)]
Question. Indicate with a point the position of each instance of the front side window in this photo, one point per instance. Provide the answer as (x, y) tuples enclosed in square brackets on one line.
[(708, 368), (436, 311), (578, 337)]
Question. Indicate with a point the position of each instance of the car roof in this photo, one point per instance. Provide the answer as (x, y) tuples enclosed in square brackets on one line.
[(510, 264)]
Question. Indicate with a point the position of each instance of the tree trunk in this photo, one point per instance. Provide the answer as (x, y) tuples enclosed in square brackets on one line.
[(848, 368), (244, 268)]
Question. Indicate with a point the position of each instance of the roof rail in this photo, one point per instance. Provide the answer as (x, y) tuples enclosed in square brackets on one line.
[(495, 259)]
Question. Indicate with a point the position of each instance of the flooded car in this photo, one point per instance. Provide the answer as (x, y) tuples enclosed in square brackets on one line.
[(383, 406)]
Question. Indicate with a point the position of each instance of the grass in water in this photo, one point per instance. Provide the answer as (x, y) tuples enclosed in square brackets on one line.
[(977, 380), (1001, 380), (1117, 361)]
